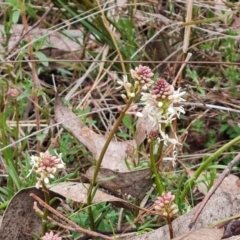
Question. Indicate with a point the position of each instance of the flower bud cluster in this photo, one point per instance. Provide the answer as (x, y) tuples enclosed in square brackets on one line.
[(142, 75), (51, 236), (142, 80), (165, 205), (45, 166), (153, 135), (13, 93), (161, 89)]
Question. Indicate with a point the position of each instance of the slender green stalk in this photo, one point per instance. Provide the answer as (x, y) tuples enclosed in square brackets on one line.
[(160, 148), (99, 161), (16, 134), (45, 213), (154, 168), (205, 164)]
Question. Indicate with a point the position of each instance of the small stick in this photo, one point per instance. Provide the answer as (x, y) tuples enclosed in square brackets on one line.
[(70, 228), (74, 225), (213, 189), (182, 67)]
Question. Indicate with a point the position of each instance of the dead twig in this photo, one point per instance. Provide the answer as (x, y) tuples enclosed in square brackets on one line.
[(214, 188), (72, 224)]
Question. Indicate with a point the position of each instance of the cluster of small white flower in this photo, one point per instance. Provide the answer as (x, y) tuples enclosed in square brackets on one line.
[(45, 166), (51, 236), (162, 111), (162, 105)]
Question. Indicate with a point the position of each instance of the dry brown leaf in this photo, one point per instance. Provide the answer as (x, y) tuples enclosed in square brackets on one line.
[(20, 219), (202, 234), (56, 39), (220, 206), (78, 193), (134, 183), (230, 184), (116, 153)]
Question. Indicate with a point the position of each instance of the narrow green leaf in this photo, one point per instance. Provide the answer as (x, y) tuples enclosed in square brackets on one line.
[(42, 57)]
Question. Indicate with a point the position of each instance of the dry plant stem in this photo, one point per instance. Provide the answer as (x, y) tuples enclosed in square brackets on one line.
[(187, 31), (181, 69), (113, 38), (74, 225), (214, 188), (70, 228), (27, 32), (205, 164), (34, 74), (45, 214), (99, 161), (154, 168), (207, 20)]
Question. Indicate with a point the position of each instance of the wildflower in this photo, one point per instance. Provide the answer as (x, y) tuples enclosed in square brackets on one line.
[(161, 107), (142, 75), (51, 236), (165, 206), (45, 166), (165, 138), (13, 93)]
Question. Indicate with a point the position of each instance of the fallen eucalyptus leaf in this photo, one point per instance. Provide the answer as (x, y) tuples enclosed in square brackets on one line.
[(134, 183), (56, 39), (78, 193)]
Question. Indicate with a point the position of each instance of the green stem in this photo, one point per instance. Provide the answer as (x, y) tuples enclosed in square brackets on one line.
[(160, 148), (99, 161), (45, 213), (154, 168), (205, 164), (170, 227)]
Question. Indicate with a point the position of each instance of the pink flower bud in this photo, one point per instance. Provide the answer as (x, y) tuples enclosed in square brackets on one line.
[(13, 92), (142, 74), (162, 89)]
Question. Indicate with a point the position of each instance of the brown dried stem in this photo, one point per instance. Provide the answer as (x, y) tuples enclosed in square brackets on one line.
[(36, 83), (72, 224)]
